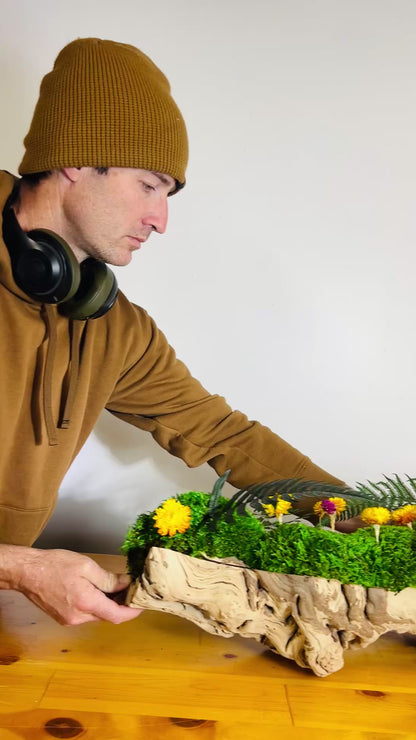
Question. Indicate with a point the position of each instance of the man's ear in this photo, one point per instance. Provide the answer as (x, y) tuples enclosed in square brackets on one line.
[(71, 173)]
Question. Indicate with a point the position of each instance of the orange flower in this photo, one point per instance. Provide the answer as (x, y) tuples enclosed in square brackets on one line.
[(405, 515)]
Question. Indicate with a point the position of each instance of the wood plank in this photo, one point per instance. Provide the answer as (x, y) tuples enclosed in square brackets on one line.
[(364, 710), (22, 687), (169, 642), (40, 724), (169, 693), (137, 675)]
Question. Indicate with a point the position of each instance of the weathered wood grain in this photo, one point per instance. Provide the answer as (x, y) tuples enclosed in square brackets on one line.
[(309, 620)]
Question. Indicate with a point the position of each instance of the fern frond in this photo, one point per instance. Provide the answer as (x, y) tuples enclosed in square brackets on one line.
[(391, 493), (302, 494), (217, 491), (412, 483)]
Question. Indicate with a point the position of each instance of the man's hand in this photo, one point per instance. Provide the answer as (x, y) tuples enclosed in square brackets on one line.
[(68, 586)]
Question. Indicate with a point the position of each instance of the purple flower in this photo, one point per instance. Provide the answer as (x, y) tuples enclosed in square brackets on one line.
[(328, 506)]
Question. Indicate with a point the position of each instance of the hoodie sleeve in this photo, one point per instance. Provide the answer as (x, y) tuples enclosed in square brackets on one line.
[(158, 394)]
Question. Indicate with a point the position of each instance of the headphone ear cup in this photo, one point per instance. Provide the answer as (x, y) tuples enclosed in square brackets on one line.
[(46, 269), (50, 267), (96, 294), (43, 264)]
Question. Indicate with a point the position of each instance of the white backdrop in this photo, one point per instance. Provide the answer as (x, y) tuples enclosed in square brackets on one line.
[(286, 278)]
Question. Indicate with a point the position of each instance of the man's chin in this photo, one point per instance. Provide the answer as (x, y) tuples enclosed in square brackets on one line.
[(121, 260)]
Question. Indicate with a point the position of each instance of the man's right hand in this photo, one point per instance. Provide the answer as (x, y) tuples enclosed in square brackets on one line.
[(70, 587)]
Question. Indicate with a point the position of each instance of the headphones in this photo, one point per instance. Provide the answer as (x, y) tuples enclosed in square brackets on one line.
[(46, 269)]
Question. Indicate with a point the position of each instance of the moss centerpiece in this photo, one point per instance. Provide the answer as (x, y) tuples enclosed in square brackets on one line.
[(285, 530)]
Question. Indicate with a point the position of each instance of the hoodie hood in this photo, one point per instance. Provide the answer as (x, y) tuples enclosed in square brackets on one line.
[(8, 183), (44, 377)]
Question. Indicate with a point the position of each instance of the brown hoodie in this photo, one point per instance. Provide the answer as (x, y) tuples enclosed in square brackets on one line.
[(57, 375)]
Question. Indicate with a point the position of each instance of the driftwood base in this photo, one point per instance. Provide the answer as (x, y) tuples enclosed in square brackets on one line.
[(306, 619)]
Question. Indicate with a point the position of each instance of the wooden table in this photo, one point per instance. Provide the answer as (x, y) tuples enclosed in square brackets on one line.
[(161, 678)]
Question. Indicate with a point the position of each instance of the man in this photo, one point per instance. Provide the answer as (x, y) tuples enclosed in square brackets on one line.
[(106, 149)]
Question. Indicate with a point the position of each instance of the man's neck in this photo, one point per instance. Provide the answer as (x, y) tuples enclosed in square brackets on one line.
[(39, 206)]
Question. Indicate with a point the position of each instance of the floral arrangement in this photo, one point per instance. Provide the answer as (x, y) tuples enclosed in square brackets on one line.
[(290, 527)]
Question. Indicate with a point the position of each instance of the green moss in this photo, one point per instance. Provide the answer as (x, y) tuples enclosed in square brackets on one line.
[(287, 548), (349, 558), (143, 534), (241, 538)]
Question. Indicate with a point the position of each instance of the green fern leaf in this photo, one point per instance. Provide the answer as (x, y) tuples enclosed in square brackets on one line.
[(216, 492), (391, 493)]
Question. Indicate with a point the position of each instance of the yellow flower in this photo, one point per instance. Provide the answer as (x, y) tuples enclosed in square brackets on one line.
[(317, 509), (405, 515), (340, 504), (269, 509), (282, 507), (376, 515), (326, 506), (172, 517)]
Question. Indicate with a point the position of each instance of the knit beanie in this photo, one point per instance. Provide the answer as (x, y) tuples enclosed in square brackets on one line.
[(106, 104)]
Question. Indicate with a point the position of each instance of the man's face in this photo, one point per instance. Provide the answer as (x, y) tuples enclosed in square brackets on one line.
[(110, 215)]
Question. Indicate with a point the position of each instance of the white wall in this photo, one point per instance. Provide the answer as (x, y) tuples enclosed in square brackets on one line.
[(286, 278)]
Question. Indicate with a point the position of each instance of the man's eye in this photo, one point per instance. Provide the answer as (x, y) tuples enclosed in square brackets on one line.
[(147, 187)]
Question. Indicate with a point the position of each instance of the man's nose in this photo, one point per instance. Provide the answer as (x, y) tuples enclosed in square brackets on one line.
[(158, 217)]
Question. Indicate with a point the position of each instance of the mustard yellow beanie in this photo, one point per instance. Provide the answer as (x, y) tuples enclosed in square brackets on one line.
[(106, 104)]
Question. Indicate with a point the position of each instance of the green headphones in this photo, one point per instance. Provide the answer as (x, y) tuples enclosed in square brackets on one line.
[(46, 269)]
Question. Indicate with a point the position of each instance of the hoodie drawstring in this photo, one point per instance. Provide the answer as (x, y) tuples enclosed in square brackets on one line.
[(76, 328), (47, 376)]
